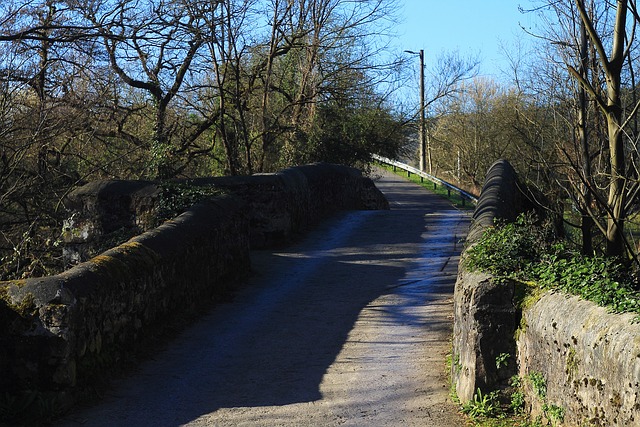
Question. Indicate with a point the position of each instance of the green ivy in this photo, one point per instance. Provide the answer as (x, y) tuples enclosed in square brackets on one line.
[(539, 384), (553, 412), (522, 250), (176, 198), (502, 360), (604, 281), (506, 249)]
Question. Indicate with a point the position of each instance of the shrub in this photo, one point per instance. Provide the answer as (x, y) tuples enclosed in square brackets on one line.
[(523, 251)]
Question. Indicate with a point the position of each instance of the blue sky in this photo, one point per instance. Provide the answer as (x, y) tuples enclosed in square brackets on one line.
[(478, 28)]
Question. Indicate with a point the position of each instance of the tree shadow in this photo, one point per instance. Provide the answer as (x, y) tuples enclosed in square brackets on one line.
[(272, 345)]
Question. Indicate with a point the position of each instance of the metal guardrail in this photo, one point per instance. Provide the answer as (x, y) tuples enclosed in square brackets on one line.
[(436, 181)]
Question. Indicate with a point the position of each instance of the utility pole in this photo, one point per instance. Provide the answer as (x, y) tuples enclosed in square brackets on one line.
[(423, 130)]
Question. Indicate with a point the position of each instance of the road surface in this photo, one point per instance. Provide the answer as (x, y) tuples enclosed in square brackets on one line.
[(350, 326)]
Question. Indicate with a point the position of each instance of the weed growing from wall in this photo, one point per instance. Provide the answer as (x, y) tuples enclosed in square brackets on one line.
[(502, 360), (539, 384), (516, 400), (483, 405), (553, 413)]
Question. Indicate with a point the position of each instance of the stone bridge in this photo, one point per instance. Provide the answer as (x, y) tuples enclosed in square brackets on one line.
[(298, 298)]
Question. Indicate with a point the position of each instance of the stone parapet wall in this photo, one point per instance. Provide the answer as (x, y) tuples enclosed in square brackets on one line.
[(571, 355), (485, 322), (59, 333), (589, 359), (484, 315), (503, 197), (279, 205), (62, 330)]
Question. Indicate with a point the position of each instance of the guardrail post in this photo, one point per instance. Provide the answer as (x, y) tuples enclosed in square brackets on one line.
[(421, 179), (408, 174), (434, 185), (462, 198)]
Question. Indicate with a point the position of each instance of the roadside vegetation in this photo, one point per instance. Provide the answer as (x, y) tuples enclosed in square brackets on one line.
[(568, 122), (524, 251), (532, 254)]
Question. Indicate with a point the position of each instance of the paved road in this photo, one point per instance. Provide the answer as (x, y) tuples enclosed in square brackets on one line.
[(348, 327)]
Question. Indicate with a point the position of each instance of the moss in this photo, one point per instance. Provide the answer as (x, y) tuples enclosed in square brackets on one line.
[(616, 400), (17, 283), (572, 364), (520, 329), (526, 294), (140, 252), (101, 260), (4, 293), (117, 263), (5, 286), (110, 266), (106, 262), (24, 308)]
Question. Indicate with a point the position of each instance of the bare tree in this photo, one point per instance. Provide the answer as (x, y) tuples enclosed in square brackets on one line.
[(153, 46), (480, 123), (36, 74), (594, 42), (612, 66)]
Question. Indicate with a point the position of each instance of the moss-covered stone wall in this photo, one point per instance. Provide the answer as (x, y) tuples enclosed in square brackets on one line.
[(578, 364), (589, 360), (62, 331), (484, 314), (279, 205), (60, 334)]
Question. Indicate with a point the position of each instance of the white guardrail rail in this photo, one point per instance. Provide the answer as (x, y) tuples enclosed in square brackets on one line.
[(436, 181)]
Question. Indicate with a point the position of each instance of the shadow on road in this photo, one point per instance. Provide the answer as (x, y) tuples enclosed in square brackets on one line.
[(272, 345)]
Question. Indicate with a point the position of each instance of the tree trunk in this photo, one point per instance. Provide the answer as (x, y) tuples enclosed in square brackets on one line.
[(612, 109), (616, 199), (615, 202), (587, 222)]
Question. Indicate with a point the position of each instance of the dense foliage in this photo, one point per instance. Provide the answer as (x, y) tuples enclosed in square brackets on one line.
[(524, 251)]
